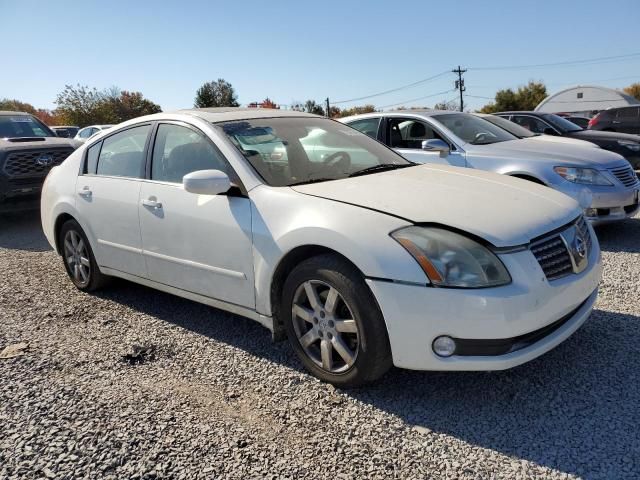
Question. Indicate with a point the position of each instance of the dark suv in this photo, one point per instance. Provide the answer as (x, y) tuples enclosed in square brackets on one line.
[(550, 124), (28, 150), (621, 119)]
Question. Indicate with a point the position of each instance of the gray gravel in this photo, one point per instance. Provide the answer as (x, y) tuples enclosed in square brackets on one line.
[(216, 399)]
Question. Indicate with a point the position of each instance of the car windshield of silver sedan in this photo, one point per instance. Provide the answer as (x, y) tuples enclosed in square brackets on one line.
[(23, 126), (294, 151), (472, 129)]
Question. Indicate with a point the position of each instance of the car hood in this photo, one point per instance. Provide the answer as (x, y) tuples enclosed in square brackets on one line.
[(564, 140), (596, 135), (551, 153), (49, 142), (503, 210)]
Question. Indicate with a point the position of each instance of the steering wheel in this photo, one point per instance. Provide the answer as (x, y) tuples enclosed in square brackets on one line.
[(338, 159)]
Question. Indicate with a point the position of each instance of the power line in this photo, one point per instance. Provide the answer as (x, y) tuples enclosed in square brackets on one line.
[(588, 61), (416, 99), (424, 80)]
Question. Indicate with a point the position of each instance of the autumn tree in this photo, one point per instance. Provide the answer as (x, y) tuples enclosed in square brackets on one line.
[(128, 105), (633, 90), (527, 97), (268, 103), (216, 94)]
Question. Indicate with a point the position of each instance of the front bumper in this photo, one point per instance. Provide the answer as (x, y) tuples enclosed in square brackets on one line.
[(416, 315), (609, 203)]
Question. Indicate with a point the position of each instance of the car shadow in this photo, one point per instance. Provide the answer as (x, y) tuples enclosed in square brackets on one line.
[(554, 411), (621, 236), (23, 231)]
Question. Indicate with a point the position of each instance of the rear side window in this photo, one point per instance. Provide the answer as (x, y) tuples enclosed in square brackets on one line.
[(92, 158), (180, 150), (628, 113), (122, 154), (368, 126)]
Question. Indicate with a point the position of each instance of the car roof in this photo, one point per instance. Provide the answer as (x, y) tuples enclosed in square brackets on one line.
[(520, 112), (400, 113), (9, 112), (63, 126), (224, 114)]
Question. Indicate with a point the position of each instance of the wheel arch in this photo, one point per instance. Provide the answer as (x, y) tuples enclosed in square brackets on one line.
[(57, 226)]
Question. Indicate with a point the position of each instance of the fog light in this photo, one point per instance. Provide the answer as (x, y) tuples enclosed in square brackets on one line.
[(591, 212), (444, 346)]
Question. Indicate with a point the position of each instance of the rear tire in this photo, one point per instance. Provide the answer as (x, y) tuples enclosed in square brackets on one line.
[(333, 322), (78, 259)]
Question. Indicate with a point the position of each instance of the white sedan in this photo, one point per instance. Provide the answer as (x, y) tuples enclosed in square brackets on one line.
[(315, 230)]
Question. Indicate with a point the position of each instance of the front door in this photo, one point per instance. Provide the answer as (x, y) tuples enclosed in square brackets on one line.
[(405, 136), (107, 199), (198, 243)]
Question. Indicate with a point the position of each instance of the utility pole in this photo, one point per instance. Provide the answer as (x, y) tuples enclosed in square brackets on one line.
[(460, 85), (326, 112)]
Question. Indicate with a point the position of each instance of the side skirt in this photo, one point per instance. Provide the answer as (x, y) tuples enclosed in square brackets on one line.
[(196, 297)]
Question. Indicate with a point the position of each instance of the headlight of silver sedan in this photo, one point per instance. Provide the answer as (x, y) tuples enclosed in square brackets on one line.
[(587, 176), (452, 260)]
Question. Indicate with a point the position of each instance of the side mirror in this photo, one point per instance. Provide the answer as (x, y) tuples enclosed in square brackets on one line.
[(206, 182), (436, 145), (549, 131)]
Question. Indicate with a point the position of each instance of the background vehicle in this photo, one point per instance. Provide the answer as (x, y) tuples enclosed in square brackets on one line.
[(521, 132), (333, 252), (466, 140), (582, 122), (621, 143), (65, 131), (87, 132), (622, 119), (28, 150)]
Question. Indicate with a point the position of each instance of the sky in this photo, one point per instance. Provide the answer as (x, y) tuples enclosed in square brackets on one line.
[(297, 50)]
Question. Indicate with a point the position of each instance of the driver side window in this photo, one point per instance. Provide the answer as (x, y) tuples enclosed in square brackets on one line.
[(410, 133), (179, 150)]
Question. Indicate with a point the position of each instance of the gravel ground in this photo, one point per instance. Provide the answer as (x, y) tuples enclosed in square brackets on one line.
[(219, 400)]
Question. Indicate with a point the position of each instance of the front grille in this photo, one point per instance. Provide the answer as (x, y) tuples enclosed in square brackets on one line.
[(553, 254), (25, 163), (626, 175)]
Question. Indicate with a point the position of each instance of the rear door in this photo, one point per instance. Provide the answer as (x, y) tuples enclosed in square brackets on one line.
[(405, 136), (627, 120), (108, 193), (197, 243)]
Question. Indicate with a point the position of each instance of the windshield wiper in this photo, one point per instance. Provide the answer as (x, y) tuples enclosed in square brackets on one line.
[(380, 168), (311, 180)]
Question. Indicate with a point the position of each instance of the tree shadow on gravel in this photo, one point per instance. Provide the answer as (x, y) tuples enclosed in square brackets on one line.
[(23, 231), (575, 409), (620, 237)]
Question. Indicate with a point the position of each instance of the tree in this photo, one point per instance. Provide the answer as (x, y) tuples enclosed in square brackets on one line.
[(633, 90), (451, 105), (347, 112), (268, 103), (310, 106), (527, 97), (82, 106), (216, 94), (17, 106), (128, 105)]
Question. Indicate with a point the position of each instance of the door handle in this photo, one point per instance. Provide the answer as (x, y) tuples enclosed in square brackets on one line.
[(85, 192), (147, 202)]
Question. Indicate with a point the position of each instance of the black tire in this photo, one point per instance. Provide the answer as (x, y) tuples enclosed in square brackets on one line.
[(94, 279), (371, 342)]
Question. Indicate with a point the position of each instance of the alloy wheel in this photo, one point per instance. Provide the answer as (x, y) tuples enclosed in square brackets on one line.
[(325, 326), (76, 255)]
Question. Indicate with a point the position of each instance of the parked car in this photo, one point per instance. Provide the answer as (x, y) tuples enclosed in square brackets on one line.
[(521, 132), (87, 132), (65, 131), (602, 181), (28, 150), (622, 143), (621, 119), (363, 258)]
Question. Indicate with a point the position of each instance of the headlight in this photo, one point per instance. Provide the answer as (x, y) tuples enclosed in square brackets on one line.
[(452, 260), (634, 146), (587, 176)]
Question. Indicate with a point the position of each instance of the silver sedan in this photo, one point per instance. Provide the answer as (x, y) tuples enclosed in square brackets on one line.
[(602, 181)]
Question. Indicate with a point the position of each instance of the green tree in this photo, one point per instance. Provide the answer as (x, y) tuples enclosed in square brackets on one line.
[(357, 110), (633, 90), (82, 106), (527, 97), (216, 94), (13, 105), (128, 105), (310, 106)]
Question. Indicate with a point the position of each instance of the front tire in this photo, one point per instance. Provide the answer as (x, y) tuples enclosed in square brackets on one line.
[(333, 322), (79, 262)]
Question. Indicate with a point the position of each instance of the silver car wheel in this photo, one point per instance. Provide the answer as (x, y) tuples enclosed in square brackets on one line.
[(325, 326), (76, 255)]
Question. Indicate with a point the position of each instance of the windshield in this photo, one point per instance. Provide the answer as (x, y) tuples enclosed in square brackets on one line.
[(472, 129), (509, 126), (287, 151), (15, 126), (561, 124)]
